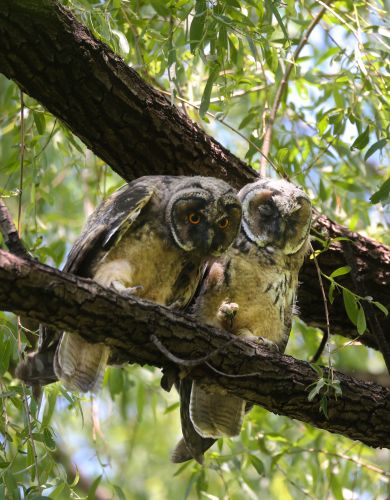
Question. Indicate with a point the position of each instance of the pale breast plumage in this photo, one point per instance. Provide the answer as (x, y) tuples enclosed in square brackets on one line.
[(251, 292)]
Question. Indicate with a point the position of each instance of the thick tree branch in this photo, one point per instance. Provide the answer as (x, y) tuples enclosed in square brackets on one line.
[(134, 128), (279, 383)]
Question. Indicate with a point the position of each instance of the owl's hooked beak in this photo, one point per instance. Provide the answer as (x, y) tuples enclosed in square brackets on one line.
[(207, 242)]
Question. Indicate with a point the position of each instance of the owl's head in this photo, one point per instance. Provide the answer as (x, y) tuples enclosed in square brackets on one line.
[(276, 214), (204, 215)]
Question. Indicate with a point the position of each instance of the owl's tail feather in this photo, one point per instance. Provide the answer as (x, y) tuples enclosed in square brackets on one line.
[(181, 453), (216, 415), (79, 364), (37, 368)]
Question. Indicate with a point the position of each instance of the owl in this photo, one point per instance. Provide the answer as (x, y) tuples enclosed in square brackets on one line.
[(151, 238), (250, 291)]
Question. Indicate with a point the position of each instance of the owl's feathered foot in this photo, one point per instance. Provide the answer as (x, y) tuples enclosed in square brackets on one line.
[(269, 344), (226, 313), (119, 287)]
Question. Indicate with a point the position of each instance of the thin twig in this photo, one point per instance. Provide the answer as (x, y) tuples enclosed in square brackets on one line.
[(231, 375), (188, 362), (293, 483), (342, 456), (326, 336), (21, 161), (237, 93), (19, 327), (282, 87), (230, 127)]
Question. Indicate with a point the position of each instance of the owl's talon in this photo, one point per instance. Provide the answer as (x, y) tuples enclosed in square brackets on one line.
[(123, 290), (267, 343), (226, 313), (228, 309)]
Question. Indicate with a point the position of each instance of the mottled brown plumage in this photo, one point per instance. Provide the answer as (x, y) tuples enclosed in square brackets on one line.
[(151, 238), (251, 291)]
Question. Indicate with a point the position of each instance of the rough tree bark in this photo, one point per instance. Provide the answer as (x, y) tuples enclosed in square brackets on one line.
[(144, 332), (135, 129)]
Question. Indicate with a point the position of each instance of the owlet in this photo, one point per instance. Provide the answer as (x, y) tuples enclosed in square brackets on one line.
[(250, 291)]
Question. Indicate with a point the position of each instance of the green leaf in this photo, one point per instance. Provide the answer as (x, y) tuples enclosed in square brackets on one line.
[(336, 487), (5, 356), (383, 193), (324, 406), (197, 27), (119, 492), (361, 140), (246, 120), (48, 439), (279, 19), (123, 42), (205, 101), (115, 381), (322, 125), (140, 400), (40, 122), (331, 291), (337, 388), (361, 324), (171, 408), (281, 154), (351, 305), (316, 389), (58, 490), (341, 271), (322, 191), (76, 479), (374, 148), (381, 307), (257, 464), (93, 488), (51, 399), (181, 468)]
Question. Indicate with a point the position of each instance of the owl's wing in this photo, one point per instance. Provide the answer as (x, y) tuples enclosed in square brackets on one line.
[(107, 225), (103, 230), (77, 363)]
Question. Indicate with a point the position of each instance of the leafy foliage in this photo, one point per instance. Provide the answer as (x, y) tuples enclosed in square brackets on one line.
[(223, 63)]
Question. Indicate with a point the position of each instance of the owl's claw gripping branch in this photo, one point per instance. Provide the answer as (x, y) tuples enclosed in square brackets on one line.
[(122, 289)]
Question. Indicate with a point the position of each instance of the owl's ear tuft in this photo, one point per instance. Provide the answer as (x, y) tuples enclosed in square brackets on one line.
[(298, 228), (261, 197)]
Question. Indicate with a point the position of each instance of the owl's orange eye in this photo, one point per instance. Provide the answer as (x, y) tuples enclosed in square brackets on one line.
[(194, 218), (223, 223)]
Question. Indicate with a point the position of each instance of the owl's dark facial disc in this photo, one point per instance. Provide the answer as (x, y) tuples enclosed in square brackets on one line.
[(276, 214), (226, 223), (204, 225), (261, 219)]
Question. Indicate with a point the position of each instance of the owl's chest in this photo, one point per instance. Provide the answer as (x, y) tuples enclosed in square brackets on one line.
[(264, 294), (153, 262)]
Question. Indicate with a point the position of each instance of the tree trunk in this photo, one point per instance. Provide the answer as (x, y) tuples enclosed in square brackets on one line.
[(144, 332)]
